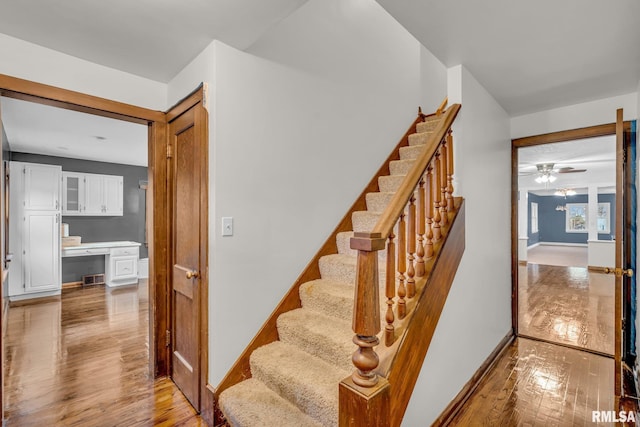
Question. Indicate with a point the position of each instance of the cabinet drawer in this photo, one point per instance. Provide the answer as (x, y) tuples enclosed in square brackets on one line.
[(126, 251), (68, 252), (124, 267)]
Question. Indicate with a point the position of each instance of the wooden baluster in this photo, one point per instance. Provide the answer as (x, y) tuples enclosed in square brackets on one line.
[(390, 291), (428, 246), (435, 194), (421, 224), (366, 308), (411, 248), (450, 206), (443, 183), (402, 266)]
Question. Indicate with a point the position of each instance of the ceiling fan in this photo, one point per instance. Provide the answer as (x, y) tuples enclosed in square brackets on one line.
[(545, 172)]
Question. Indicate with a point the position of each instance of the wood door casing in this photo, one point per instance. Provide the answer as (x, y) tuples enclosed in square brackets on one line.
[(618, 127), (186, 257)]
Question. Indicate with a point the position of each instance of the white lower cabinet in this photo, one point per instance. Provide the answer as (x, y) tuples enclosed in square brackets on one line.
[(122, 266)]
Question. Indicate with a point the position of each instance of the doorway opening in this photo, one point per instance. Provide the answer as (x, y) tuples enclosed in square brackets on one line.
[(596, 216), (566, 231)]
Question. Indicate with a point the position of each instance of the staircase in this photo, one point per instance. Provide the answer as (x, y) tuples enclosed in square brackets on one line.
[(289, 375)]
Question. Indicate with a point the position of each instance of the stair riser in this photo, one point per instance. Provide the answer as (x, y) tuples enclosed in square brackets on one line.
[(421, 138), (428, 125), (411, 153), (339, 306), (334, 347), (378, 202), (390, 183), (345, 273), (287, 378), (400, 167)]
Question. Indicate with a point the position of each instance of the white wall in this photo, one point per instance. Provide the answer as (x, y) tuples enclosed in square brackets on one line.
[(477, 314), (298, 125), (575, 116), (39, 64)]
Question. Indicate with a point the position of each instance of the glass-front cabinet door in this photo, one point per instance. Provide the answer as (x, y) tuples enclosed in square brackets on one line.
[(72, 193)]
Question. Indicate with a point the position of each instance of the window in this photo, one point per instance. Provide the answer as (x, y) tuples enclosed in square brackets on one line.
[(603, 223), (534, 217), (576, 218)]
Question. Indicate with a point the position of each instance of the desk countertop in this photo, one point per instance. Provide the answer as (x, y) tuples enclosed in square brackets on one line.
[(98, 248), (103, 245)]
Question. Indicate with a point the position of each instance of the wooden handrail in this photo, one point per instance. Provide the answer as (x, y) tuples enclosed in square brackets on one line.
[(442, 106), (390, 216)]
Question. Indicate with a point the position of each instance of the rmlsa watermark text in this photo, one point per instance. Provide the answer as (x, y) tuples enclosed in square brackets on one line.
[(613, 416)]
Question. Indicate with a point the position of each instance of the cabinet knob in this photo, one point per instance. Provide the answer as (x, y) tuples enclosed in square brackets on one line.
[(192, 274)]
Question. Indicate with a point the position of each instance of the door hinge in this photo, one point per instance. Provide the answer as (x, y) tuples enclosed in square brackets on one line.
[(169, 152), (167, 338)]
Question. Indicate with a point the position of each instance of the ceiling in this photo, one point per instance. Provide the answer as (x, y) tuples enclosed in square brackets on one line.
[(41, 129), (532, 55), (596, 155), (149, 38)]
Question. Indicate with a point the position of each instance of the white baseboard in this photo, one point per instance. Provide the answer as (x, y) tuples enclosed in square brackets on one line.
[(579, 245), (533, 246)]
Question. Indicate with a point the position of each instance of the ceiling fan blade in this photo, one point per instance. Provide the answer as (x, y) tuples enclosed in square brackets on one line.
[(569, 170)]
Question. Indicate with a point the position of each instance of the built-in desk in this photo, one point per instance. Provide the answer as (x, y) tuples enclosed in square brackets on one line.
[(121, 259)]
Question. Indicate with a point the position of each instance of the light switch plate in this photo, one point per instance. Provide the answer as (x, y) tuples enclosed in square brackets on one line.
[(227, 226)]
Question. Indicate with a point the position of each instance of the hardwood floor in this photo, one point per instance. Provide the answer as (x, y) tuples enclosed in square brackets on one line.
[(538, 384), (83, 361), (568, 305)]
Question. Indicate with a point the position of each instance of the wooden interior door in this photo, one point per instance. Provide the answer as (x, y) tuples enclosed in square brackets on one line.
[(188, 178), (625, 239)]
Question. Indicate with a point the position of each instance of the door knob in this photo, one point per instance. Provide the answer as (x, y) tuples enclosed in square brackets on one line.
[(192, 274), (619, 272)]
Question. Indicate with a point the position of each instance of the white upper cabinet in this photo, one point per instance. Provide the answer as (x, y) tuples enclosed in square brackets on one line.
[(41, 187), (112, 195), (89, 194), (73, 193)]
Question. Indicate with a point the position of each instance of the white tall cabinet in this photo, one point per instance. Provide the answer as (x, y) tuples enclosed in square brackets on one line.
[(34, 230)]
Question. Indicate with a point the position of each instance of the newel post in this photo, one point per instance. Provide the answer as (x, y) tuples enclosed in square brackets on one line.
[(366, 307), (364, 397)]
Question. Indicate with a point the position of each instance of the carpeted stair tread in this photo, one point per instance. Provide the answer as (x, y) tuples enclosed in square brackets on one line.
[(328, 297), (333, 298), (342, 268), (343, 241), (252, 404), (378, 201), (390, 183), (305, 380), (364, 220), (338, 268), (420, 138), (429, 124), (326, 337), (411, 152), (400, 167)]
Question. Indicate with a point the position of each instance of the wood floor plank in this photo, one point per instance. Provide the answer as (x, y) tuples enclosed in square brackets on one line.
[(540, 384), (83, 361), (568, 305)]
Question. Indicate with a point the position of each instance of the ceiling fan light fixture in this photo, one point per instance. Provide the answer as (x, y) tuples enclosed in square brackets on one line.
[(551, 178)]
